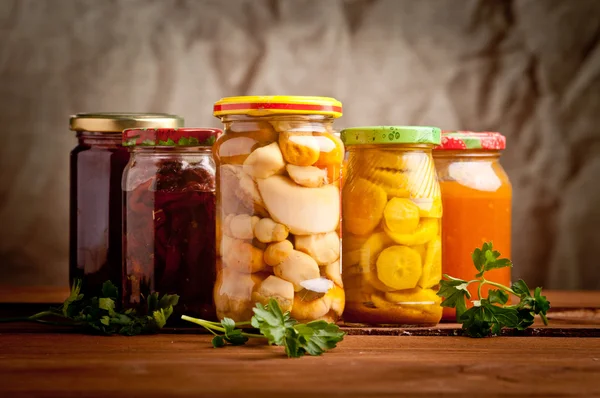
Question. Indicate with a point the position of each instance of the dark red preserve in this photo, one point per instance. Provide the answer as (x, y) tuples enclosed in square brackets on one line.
[(97, 165), (169, 218)]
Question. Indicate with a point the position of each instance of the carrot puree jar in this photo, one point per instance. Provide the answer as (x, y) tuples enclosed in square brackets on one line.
[(392, 210), (476, 195), (278, 206), (96, 166)]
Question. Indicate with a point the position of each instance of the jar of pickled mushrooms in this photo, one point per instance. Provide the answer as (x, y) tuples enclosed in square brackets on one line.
[(392, 208), (278, 207)]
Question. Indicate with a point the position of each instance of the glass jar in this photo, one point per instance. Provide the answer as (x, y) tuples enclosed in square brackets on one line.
[(477, 197), (97, 164), (392, 209), (169, 218), (278, 200)]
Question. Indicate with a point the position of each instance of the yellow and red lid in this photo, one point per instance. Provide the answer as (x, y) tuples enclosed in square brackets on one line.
[(464, 140), (278, 105)]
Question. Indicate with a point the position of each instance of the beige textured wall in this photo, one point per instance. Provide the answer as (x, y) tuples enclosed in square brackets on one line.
[(527, 68)]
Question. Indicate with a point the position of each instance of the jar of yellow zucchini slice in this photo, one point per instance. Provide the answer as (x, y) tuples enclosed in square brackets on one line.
[(278, 207), (391, 239)]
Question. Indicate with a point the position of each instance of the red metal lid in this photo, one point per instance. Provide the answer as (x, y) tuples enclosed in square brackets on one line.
[(485, 140), (171, 137)]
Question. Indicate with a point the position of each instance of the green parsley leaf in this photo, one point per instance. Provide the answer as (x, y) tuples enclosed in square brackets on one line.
[(521, 289), (100, 314), (218, 341), (497, 297), (313, 338), (183, 141), (318, 336), (489, 315), (109, 290), (455, 292)]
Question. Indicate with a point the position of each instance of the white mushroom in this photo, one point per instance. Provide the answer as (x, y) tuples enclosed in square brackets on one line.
[(324, 248), (309, 310), (277, 252), (333, 272), (264, 162), (248, 190), (275, 288), (307, 176), (233, 295), (225, 244), (241, 226), (226, 224), (267, 230), (232, 197), (244, 258), (303, 210), (338, 299), (296, 268)]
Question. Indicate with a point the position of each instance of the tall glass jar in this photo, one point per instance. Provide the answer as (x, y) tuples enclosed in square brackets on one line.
[(477, 197), (169, 218), (392, 209), (97, 164), (278, 200)]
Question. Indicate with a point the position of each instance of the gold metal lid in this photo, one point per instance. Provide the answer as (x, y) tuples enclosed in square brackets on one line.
[(116, 122)]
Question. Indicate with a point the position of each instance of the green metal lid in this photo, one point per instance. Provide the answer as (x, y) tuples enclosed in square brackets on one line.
[(391, 135)]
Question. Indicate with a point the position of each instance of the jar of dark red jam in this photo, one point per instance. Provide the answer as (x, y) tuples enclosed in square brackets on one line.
[(169, 218), (97, 164)]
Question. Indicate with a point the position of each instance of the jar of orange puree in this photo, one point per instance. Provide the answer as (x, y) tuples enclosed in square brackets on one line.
[(476, 196)]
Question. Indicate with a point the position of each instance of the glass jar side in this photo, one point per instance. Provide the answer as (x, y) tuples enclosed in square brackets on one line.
[(477, 199), (96, 167), (169, 228), (278, 200), (391, 242)]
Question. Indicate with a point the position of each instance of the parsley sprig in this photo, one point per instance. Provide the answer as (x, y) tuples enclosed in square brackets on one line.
[(99, 315), (489, 315), (279, 328)]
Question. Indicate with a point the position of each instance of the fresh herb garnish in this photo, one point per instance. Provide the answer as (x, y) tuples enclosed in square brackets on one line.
[(313, 338), (489, 315), (98, 314)]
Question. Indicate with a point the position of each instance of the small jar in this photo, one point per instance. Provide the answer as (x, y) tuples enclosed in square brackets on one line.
[(477, 197), (392, 209), (169, 218), (97, 164), (278, 198)]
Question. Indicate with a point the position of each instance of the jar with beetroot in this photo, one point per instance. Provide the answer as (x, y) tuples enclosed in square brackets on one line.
[(169, 218), (97, 164)]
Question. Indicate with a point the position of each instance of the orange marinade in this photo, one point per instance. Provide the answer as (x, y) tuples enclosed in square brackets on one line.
[(471, 218), (476, 197)]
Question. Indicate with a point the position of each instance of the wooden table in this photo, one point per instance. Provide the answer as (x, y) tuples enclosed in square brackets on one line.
[(39, 362)]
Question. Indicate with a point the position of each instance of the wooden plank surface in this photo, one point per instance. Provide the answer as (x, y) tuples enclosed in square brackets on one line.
[(64, 365), (560, 299), (36, 360)]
